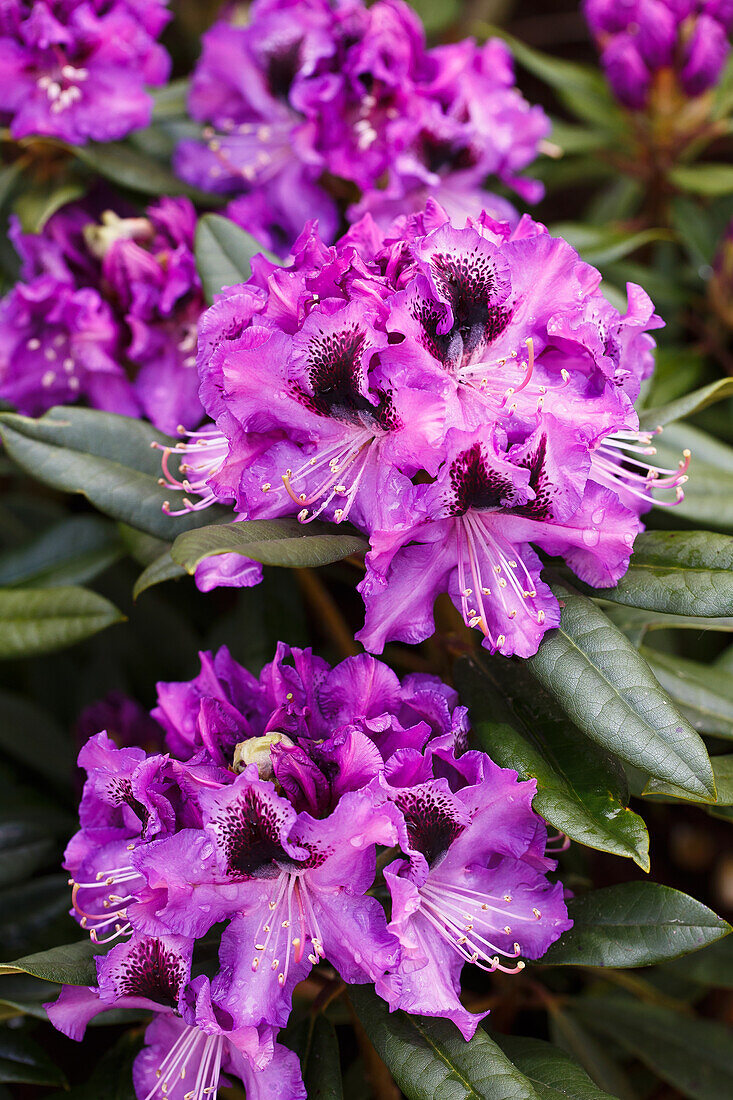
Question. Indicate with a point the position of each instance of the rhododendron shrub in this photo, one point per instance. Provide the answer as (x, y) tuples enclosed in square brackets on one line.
[(366, 550)]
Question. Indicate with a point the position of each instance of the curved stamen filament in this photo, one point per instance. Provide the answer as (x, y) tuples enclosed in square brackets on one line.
[(208, 449), (614, 466), (338, 460), (290, 910)]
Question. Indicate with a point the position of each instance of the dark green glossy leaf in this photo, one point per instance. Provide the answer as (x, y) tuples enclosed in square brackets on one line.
[(163, 568), (224, 253), (40, 620), (72, 964), (73, 551), (703, 694), (607, 689), (109, 459), (283, 542), (314, 1041), (636, 621), (678, 573), (723, 772), (429, 1058), (581, 790), (695, 1056), (22, 995), (634, 924), (24, 1062), (686, 406), (552, 1073)]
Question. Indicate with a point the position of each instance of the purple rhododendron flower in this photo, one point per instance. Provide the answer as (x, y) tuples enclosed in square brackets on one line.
[(463, 395), (639, 38), (322, 109), (265, 819), (78, 71), (106, 312)]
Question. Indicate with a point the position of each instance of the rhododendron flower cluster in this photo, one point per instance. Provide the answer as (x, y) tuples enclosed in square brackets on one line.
[(640, 38), (266, 815), (106, 311), (462, 395), (78, 71), (314, 108)]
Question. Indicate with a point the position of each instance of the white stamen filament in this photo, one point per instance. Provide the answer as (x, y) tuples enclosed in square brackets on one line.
[(192, 1048), (446, 910), (613, 465), (339, 460)]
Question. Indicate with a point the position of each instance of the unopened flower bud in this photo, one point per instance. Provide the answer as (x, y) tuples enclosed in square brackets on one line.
[(256, 750)]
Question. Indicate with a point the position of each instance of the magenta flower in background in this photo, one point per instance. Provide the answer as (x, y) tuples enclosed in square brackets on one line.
[(316, 110), (639, 38), (106, 312), (266, 817), (78, 71), (463, 395)]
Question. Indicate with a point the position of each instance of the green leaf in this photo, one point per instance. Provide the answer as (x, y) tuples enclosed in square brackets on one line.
[(283, 542), (24, 847), (314, 1041), (600, 245), (711, 180), (634, 924), (224, 253), (695, 1056), (129, 167), (711, 966), (703, 694), (552, 1073), (429, 1058), (581, 790), (40, 620), (723, 772), (608, 690), (636, 620), (36, 204), (686, 406), (569, 1034), (73, 551), (162, 569), (678, 573), (72, 964), (23, 1062), (109, 459)]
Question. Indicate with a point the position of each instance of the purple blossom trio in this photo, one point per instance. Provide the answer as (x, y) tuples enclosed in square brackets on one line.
[(640, 39), (461, 395), (267, 814), (78, 71), (106, 311), (321, 108)]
